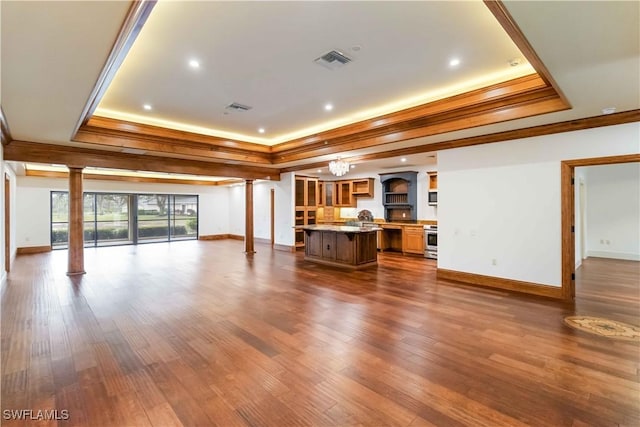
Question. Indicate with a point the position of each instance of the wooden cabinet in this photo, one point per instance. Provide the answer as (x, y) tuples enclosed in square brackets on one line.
[(413, 239), (344, 194), (326, 189), (433, 180), (348, 249), (362, 187), (306, 199), (306, 191)]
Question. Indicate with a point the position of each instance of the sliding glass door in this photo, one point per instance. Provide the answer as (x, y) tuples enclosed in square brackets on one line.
[(120, 219)]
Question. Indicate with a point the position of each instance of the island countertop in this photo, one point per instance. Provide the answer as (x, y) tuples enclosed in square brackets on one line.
[(341, 228)]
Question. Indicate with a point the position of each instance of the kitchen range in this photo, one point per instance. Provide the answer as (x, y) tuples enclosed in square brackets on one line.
[(431, 241)]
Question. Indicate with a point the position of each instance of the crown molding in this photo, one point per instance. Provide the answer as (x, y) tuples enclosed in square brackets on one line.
[(82, 157)]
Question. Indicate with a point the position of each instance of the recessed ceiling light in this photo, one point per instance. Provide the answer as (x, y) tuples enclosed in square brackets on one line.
[(328, 107), (147, 107), (261, 130), (353, 166), (319, 170), (194, 63), (609, 110), (515, 62), (454, 62), (404, 159)]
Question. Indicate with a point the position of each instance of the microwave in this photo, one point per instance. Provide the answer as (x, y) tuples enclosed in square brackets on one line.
[(433, 197)]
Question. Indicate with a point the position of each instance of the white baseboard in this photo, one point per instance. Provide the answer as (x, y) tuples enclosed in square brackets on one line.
[(615, 255)]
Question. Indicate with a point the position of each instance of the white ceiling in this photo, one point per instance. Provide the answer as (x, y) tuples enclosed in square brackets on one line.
[(53, 52), (261, 54)]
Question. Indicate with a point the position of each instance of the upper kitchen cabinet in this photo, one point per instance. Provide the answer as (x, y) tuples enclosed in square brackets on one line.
[(327, 193), (362, 187), (433, 180), (345, 198), (306, 191)]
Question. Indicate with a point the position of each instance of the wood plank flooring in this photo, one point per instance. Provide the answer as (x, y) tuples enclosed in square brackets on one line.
[(196, 334)]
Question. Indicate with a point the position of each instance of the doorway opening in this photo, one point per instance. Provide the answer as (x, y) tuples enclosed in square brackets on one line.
[(568, 209)]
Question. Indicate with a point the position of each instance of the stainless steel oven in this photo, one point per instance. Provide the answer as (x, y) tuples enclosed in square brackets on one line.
[(431, 241)]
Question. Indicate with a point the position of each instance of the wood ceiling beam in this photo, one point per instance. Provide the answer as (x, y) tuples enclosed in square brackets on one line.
[(128, 178), (118, 133), (539, 101), (82, 157), (567, 126)]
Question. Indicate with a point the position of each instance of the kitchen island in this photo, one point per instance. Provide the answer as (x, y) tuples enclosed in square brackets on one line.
[(341, 246)]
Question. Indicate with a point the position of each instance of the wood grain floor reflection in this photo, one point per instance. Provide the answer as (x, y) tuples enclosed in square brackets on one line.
[(196, 334)]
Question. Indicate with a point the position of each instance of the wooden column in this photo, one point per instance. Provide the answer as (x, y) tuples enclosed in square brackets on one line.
[(76, 223), (248, 223)]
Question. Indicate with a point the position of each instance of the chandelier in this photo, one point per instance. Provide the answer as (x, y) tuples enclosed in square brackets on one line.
[(338, 167)]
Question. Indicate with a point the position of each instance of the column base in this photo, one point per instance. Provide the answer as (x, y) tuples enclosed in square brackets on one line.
[(75, 273)]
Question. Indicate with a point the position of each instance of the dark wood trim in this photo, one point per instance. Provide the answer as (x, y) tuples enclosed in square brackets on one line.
[(122, 134), (5, 133), (82, 157), (567, 213), (133, 23), (284, 248), (236, 237), (127, 178), (214, 237), (33, 250), (500, 109), (522, 85), (610, 160), (500, 283), (7, 223), (500, 12), (541, 130)]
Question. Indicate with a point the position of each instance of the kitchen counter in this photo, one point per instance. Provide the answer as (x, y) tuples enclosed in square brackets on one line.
[(341, 246)]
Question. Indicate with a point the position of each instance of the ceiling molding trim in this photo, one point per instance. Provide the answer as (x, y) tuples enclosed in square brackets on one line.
[(500, 12), (517, 98), (22, 151), (122, 126), (568, 126), (519, 106), (5, 133), (119, 134), (128, 178), (133, 23), (493, 92)]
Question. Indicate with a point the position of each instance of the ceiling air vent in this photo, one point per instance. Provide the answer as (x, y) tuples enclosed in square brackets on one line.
[(235, 107), (333, 60)]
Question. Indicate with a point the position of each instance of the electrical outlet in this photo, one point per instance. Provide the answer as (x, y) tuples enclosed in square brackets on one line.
[(494, 261), (602, 241), (608, 242)]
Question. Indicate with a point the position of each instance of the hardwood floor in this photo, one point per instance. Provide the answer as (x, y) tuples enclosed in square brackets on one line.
[(195, 333)]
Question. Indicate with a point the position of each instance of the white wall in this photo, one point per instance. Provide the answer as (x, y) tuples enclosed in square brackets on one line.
[(8, 170), (502, 201), (33, 204), (613, 211), (284, 209)]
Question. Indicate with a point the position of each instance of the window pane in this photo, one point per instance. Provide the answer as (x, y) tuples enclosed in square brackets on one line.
[(59, 218), (184, 222), (89, 217), (153, 219), (113, 219)]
